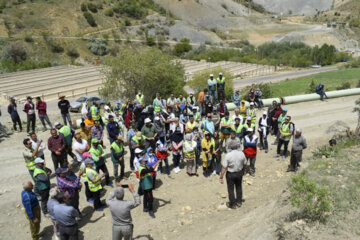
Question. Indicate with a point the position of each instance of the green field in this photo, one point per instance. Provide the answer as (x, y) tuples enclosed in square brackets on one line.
[(332, 80)]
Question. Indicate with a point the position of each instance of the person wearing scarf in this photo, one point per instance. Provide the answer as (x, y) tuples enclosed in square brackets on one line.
[(208, 147), (152, 160), (162, 153), (190, 154)]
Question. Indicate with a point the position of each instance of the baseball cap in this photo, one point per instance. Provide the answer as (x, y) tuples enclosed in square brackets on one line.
[(243, 101), (94, 140), (220, 73), (284, 109), (86, 155), (147, 120), (251, 104), (138, 150), (39, 160), (56, 123), (89, 161), (248, 119), (29, 97), (106, 107), (265, 113), (145, 159), (211, 75), (61, 170), (157, 118), (250, 130)]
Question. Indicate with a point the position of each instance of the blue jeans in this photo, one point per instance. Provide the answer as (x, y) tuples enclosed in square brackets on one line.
[(166, 166), (176, 160), (322, 94), (44, 118), (213, 94), (67, 116)]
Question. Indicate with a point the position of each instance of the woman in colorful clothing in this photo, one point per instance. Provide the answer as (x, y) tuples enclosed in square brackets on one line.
[(177, 145), (162, 153), (208, 147), (152, 160), (190, 155)]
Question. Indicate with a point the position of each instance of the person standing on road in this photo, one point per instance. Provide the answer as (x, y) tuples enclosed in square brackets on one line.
[(56, 145), (286, 131), (41, 107), (232, 141), (251, 112), (32, 209), (149, 132), (97, 131), (212, 88), (67, 133), (94, 181), (234, 165), (243, 111), (220, 87), (299, 144), (15, 118), (122, 226), (42, 182), (34, 142), (200, 101), (64, 106), (29, 109), (270, 114), (189, 155), (250, 149), (65, 216), (113, 129), (50, 205)]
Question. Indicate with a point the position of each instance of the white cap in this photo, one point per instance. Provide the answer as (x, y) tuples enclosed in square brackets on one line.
[(252, 103), (250, 130), (106, 107), (211, 75), (220, 73), (147, 120), (265, 113), (56, 123), (191, 93), (248, 119), (138, 150), (39, 160), (157, 118)]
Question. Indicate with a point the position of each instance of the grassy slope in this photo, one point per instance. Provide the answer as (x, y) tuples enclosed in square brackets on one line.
[(331, 80)]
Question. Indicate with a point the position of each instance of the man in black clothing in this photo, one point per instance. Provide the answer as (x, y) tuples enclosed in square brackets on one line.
[(64, 106)]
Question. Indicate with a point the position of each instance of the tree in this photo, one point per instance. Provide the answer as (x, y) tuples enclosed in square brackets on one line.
[(98, 46), (15, 52), (149, 70), (90, 19), (182, 47), (199, 81)]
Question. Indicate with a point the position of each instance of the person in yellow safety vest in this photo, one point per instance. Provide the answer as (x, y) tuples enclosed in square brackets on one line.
[(140, 98), (94, 181), (67, 133), (225, 128), (251, 112), (157, 103), (117, 157), (84, 179), (221, 87), (245, 126), (243, 110), (280, 121), (93, 110), (191, 101), (42, 181), (146, 184), (29, 155), (197, 114), (106, 114), (138, 141), (190, 124), (237, 127), (190, 154), (286, 131), (212, 87), (98, 155), (208, 151)]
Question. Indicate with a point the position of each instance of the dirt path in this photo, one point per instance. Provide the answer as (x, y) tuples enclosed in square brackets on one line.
[(187, 208)]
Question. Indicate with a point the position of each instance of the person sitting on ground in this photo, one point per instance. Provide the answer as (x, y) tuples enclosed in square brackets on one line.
[(258, 96), (320, 89), (251, 95)]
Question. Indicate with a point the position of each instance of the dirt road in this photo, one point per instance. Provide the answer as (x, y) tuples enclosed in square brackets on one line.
[(187, 208)]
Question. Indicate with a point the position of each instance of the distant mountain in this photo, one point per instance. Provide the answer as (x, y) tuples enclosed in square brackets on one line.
[(298, 7)]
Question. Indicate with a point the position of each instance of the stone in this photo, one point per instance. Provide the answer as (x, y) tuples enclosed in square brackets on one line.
[(323, 157), (182, 213), (222, 207), (223, 195), (17, 206), (187, 208), (249, 182), (300, 222)]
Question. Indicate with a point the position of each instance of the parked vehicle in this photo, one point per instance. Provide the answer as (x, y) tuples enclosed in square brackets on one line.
[(77, 104)]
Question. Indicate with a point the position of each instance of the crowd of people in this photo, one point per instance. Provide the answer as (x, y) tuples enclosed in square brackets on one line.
[(196, 132)]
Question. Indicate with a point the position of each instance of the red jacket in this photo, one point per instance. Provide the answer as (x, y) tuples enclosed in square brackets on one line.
[(41, 107), (28, 107)]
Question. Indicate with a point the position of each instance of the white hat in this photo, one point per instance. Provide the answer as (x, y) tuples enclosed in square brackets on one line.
[(220, 73), (147, 120), (157, 118), (191, 93), (39, 160), (138, 150), (106, 107), (56, 123), (248, 119), (265, 113), (252, 103), (250, 130), (211, 75)]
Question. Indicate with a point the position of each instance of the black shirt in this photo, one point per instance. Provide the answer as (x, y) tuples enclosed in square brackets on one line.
[(64, 106)]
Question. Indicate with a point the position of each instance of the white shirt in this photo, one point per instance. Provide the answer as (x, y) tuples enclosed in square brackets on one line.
[(81, 146), (234, 117), (41, 148)]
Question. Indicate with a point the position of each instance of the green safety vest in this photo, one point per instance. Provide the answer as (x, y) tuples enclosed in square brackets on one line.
[(183, 101), (191, 125), (83, 176), (118, 149), (221, 83), (189, 100), (238, 129), (140, 99), (213, 87), (226, 122), (246, 126), (285, 128), (94, 187), (121, 111), (188, 153), (97, 152), (40, 184), (66, 131), (281, 119), (29, 163), (93, 110), (146, 181), (157, 107), (251, 113), (137, 141), (197, 116)]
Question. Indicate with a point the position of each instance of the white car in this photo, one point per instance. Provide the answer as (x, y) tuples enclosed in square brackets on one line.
[(77, 104)]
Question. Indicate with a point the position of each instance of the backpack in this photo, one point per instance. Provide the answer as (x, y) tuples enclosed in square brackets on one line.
[(293, 125)]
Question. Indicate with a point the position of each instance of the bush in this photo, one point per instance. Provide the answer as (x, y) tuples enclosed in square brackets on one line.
[(314, 201), (92, 7), (72, 52), (98, 46), (11, 66), (199, 81), (83, 7), (182, 47), (358, 84), (109, 12), (344, 85), (15, 52), (150, 41), (28, 38), (355, 23), (127, 22), (90, 19), (312, 87), (55, 47)]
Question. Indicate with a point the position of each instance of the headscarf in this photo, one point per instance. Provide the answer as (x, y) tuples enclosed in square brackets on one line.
[(188, 137), (177, 136)]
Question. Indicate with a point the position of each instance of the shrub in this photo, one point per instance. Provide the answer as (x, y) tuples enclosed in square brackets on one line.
[(314, 201), (355, 23), (358, 84), (344, 85), (150, 40), (312, 87), (92, 7), (72, 52), (98, 46), (83, 7), (90, 19), (109, 12), (15, 52), (127, 22), (28, 38), (182, 47)]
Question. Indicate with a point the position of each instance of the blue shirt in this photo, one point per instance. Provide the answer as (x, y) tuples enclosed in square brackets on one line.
[(113, 129), (50, 205), (30, 202), (250, 144), (65, 215), (130, 134)]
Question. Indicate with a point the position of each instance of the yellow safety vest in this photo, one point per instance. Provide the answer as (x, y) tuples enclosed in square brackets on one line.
[(285, 128), (191, 125), (94, 187), (140, 99), (238, 129), (188, 153), (29, 163)]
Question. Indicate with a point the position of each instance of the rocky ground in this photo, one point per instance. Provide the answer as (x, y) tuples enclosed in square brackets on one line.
[(186, 208)]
